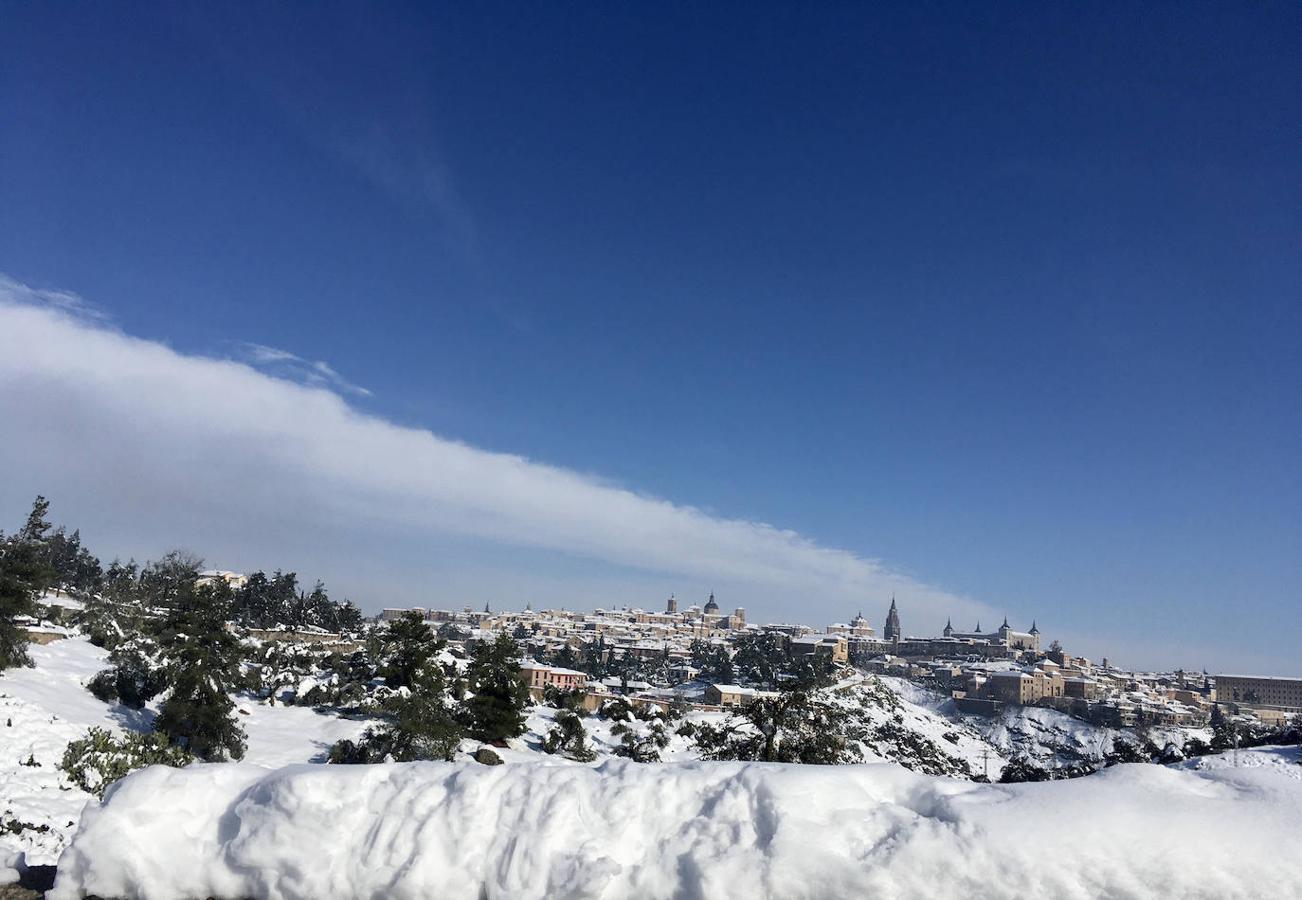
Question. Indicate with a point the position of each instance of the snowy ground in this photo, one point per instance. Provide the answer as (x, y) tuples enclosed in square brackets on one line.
[(686, 830), (1285, 761), (44, 707)]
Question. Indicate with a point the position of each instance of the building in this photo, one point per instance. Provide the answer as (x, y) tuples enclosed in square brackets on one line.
[(733, 695), (538, 677), (233, 580), (390, 614), (834, 646), (858, 628), (1004, 636), (1022, 688), (892, 630), (1261, 692)]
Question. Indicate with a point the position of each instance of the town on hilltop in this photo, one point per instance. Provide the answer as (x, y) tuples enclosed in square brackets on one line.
[(674, 655)]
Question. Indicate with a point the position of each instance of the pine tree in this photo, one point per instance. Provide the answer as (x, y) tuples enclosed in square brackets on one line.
[(164, 583), (76, 570), (204, 667), (348, 618), (116, 612), (25, 574), (496, 710), (425, 726), (792, 727), (407, 645)]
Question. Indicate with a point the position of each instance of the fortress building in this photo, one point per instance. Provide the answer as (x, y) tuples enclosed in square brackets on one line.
[(1004, 635)]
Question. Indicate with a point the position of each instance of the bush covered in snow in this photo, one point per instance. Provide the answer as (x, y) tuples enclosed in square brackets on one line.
[(100, 758), (568, 737)]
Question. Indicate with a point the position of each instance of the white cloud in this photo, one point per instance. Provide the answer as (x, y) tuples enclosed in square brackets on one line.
[(145, 448), (284, 364), (64, 301)]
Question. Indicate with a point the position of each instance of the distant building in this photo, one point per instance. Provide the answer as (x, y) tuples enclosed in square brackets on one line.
[(834, 646), (1004, 635), (892, 630), (1260, 692), (389, 615), (732, 695), (538, 676), (234, 580)]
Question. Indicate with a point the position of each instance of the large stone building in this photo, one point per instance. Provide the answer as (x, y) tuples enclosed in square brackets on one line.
[(1260, 692), (1003, 635)]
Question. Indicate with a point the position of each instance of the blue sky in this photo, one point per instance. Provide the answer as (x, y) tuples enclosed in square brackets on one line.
[(1006, 298)]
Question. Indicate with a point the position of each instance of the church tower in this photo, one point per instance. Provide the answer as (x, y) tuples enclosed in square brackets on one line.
[(892, 630), (672, 606), (710, 605), (949, 628)]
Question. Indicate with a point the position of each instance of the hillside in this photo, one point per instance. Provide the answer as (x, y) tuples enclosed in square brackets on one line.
[(44, 707)]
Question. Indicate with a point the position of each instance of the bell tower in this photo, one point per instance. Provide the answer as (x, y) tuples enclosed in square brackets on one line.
[(892, 630)]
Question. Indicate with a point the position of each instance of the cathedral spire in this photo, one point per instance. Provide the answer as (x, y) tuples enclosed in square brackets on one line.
[(892, 630)]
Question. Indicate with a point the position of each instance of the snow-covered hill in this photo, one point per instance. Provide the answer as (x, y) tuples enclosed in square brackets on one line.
[(45, 707)]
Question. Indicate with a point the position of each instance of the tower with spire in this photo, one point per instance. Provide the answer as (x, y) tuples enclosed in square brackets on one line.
[(892, 630), (671, 606), (710, 605), (949, 628)]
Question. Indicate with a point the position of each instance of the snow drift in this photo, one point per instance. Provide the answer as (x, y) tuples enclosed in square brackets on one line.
[(683, 830)]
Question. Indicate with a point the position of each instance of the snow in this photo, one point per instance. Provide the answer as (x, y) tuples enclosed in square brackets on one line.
[(684, 830), (544, 825), (43, 708), (57, 684), (35, 799), (282, 735), (1046, 736), (1286, 761)]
